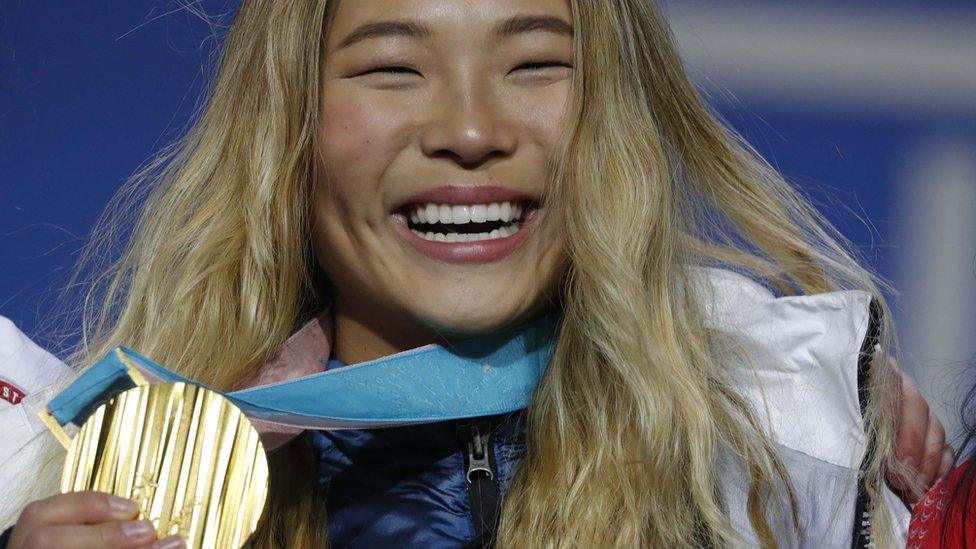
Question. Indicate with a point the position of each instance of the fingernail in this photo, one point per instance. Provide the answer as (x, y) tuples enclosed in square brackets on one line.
[(141, 530), (122, 505), (172, 542)]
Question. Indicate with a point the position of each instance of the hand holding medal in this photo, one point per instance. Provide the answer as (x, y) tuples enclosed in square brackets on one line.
[(189, 459)]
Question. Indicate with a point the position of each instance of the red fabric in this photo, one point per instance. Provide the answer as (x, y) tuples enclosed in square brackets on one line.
[(10, 392), (936, 524)]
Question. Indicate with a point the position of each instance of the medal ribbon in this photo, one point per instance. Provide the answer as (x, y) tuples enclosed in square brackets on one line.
[(487, 375)]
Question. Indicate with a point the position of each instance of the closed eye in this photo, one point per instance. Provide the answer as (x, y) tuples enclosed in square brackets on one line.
[(536, 65), (390, 70), (532, 66)]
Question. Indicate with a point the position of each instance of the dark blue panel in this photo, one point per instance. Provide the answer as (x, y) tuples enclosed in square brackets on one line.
[(88, 91)]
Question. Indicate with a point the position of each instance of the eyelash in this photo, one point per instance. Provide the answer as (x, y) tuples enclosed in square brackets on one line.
[(395, 69), (544, 64)]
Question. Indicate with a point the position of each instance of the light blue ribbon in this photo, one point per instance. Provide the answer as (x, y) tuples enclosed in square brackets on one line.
[(465, 378)]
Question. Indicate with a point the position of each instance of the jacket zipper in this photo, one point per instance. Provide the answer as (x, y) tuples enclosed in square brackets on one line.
[(863, 534), (482, 479)]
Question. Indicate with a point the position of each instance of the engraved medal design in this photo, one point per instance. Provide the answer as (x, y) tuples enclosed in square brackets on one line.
[(190, 459)]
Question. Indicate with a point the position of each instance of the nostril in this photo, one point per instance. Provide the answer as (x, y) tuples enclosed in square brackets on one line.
[(468, 160)]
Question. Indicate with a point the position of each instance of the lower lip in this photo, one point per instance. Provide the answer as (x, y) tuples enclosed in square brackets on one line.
[(481, 251)]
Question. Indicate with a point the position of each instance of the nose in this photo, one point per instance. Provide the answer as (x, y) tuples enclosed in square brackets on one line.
[(469, 127)]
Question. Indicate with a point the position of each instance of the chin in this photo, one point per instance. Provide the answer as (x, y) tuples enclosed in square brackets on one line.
[(479, 321), (455, 311)]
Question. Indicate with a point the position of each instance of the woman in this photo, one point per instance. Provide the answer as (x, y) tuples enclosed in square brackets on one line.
[(420, 170)]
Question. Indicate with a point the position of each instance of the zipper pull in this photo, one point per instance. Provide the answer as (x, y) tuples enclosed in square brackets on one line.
[(478, 461), (483, 489)]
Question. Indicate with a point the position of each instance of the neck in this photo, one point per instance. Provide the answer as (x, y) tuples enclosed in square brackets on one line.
[(363, 335)]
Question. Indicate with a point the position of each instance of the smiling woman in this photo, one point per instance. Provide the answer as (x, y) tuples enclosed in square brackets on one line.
[(371, 177), (454, 115)]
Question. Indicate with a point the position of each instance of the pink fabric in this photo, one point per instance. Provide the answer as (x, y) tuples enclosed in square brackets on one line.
[(274, 434), (304, 353)]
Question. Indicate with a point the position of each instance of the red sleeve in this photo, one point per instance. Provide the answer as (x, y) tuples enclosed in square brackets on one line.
[(936, 518)]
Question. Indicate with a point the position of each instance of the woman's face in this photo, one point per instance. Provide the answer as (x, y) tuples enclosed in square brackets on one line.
[(437, 121)]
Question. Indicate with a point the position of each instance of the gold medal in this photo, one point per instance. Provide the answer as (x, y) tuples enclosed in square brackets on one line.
[(190, 459)]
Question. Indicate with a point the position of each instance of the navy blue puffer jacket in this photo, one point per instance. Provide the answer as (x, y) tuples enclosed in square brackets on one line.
[(409, 486), (431, 485)]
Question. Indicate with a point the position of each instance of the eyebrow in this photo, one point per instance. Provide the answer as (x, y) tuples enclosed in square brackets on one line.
[(411, 29), (529, 23)]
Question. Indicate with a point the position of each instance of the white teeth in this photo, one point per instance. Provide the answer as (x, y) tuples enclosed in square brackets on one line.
[(444, 214), (479, 213), (505, 212), (508, 213), (502, 232), (431, 211), (460, 215), (491, 214)]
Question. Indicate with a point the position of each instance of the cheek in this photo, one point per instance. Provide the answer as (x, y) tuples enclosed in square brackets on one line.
[(345, 138), (544, 114), (358, 139)]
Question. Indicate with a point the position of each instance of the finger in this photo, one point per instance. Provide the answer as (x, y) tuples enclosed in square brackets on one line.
[(110, 535), (170, 542), (78, 508), (934, 446), (935, 422), (948, 459), (913, 425)]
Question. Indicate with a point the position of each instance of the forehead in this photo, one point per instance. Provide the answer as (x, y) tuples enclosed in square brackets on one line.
[(464, 18)]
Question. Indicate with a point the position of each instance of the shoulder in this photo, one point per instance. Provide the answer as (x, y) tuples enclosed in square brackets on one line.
[(29, 376), (795, 359), (24, 367), (733, 301)]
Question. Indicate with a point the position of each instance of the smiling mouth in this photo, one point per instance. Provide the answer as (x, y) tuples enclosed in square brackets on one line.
[(469, 222)]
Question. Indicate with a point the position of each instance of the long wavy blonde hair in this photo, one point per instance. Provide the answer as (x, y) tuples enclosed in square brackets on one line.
[(647, 186)]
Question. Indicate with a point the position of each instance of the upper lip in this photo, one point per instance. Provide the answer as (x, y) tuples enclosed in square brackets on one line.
[(462, 195)]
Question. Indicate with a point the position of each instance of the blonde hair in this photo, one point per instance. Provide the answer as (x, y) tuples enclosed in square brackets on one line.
[(627, 424)]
